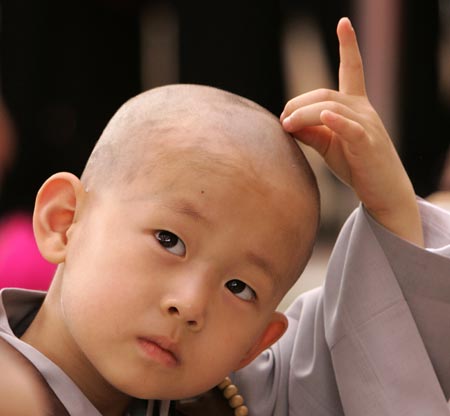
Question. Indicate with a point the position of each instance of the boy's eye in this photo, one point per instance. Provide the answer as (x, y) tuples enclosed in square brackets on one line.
[(171, 242), (241, 289)]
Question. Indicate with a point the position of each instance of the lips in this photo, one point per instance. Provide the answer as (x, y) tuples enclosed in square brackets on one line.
[(160, 350)]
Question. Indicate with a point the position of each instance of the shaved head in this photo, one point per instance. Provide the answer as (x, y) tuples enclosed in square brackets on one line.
[(205, 128), (180, 117)]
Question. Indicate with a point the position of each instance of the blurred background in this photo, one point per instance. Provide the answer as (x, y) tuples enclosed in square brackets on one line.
[(66, 67)]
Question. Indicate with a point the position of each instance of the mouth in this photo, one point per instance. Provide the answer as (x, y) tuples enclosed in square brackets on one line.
[(160, 350)]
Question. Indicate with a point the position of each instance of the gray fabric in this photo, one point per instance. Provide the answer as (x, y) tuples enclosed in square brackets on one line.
[(425, 284), (353, 347)]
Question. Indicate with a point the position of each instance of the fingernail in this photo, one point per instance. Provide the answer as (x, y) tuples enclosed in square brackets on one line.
[(345, 18), (287, 123), (350, 22), (282, 116), (329, 115)]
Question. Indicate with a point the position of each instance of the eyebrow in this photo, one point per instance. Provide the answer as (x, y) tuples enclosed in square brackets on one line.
[(185, 207), (262, 264)]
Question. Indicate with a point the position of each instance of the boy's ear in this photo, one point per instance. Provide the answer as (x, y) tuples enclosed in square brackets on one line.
[(274, 330), (54, 213)]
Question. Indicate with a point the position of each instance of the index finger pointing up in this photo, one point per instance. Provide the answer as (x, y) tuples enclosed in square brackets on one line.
[(351, 74)]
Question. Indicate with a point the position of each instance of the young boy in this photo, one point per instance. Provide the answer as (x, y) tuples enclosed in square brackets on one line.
[(194, 216)]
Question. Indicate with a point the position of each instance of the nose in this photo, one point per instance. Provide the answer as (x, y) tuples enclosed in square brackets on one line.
[(188, 314), (189, 306)]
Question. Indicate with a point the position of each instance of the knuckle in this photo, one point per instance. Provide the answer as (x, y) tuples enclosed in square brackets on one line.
[(295, 116), (325, 94), (360, 132), (334, 106)]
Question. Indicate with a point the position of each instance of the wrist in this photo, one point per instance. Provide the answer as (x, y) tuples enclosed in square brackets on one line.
[(404, 221)]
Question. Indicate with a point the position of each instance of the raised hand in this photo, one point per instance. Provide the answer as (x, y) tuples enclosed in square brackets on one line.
[(346, 130)]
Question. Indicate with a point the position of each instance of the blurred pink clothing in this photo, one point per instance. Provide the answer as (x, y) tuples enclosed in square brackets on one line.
[(21, 264)]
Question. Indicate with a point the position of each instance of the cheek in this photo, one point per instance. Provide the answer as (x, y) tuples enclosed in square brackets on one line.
[(234, 339), (87, 310), (109, 281), (95, 293)]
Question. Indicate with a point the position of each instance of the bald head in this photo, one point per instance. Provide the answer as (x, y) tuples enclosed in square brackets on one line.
[(207, 130), (192, 128), (164, 121)]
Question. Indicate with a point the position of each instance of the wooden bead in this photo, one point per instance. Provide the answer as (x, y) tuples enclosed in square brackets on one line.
[(236, 401), (241, 411), (225, 383), (230, 391)]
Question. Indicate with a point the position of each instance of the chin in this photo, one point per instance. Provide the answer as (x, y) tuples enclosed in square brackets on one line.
[(170, 391)]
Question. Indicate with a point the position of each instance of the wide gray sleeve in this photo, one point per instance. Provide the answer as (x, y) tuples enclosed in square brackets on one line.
[(357, 343), (386, 308)]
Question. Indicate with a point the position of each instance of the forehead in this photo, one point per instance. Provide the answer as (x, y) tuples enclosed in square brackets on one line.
[(195, 170), (216, 137), (245, 153)]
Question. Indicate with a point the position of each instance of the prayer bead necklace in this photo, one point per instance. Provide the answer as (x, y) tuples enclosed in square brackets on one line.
[(235, 400)]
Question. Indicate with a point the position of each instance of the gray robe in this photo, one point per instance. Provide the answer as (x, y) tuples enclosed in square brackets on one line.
[(374, 340)]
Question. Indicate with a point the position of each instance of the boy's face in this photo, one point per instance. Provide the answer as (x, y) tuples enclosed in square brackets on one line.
[(169, 280)]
